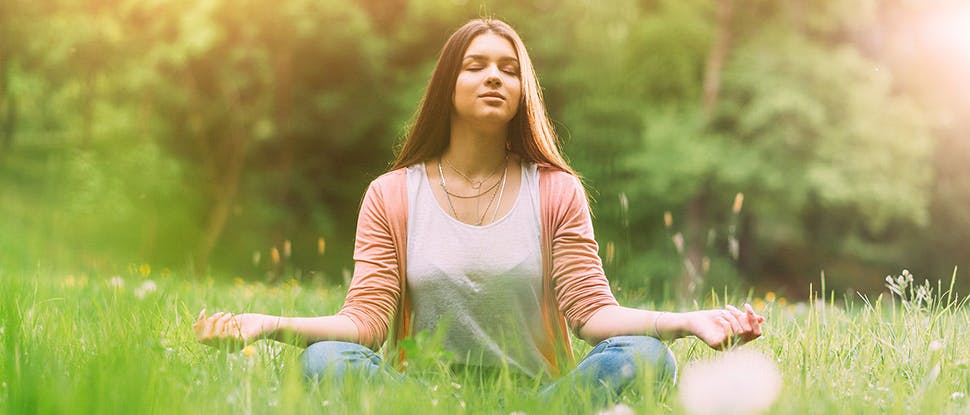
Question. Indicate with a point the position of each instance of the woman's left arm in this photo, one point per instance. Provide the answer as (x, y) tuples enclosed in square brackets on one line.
[(717, 328)]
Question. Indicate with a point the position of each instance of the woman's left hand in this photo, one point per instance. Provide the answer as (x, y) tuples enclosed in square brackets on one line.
[(725, 327)]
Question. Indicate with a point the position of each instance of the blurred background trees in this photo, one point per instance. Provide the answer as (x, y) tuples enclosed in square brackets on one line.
[(236, 138)]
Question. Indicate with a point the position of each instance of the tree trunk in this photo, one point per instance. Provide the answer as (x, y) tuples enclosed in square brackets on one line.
[(697, 207), (224, 196)]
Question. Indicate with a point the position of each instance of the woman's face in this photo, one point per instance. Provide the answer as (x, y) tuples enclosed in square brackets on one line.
[(488, 88)]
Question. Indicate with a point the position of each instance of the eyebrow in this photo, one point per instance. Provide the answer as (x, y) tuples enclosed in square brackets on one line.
[(483, 58)]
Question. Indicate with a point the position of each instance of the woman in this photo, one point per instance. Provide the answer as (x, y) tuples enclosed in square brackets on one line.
[(482, 231)]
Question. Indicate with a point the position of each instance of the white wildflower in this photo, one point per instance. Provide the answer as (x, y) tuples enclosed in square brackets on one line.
[(958, 396), (737, 382), (146, 288), (116, 282), (936, 346), (619, 409)]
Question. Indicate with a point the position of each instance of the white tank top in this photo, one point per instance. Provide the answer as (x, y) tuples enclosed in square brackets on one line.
[(478, 287)]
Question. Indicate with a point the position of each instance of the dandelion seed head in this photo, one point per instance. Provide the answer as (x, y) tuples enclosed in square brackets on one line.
[(146, 287), (936, 346), (956, 396), (736, 382), (116, 282)]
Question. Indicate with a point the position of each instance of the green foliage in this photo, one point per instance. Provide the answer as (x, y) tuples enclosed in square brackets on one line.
[(178, 131)]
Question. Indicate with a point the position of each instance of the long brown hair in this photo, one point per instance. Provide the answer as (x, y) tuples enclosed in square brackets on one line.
[(531, 135)]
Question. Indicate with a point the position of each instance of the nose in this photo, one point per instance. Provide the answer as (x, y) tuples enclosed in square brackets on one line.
[(493, 80)]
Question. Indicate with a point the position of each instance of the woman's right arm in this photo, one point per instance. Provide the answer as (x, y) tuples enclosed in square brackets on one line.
[(227, 329), (372, 297)]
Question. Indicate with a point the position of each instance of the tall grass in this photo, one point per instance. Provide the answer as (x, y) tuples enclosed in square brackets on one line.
[(89, 344)]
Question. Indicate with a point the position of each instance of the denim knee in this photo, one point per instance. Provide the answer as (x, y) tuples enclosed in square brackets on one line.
[(648, 351), (334, 359)]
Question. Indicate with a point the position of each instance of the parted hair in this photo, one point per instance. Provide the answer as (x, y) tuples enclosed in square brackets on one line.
[(531, 135)]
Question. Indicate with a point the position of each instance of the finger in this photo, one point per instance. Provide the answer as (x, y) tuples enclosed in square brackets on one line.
[(735, 324), (741, 317), (235, 327), (220, 326), (197, 324), (750, 310), (209, 329)]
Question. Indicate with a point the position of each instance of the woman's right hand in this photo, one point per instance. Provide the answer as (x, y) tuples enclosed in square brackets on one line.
[(226, 330)]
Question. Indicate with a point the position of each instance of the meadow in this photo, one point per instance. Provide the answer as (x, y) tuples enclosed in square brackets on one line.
[(123, 343)]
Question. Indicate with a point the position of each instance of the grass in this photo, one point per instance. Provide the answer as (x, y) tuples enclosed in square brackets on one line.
[(79, 344)]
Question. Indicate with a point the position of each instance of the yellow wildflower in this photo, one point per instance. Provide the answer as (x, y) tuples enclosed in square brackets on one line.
[(249, 351), (770, 297), (321, 245), (145, 269)]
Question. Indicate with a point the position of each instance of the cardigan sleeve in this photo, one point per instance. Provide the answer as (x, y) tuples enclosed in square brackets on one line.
[(374, 291), (580, 283)]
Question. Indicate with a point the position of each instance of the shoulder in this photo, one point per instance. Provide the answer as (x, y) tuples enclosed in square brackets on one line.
[(389, 184), (558, 183), (392, 178)]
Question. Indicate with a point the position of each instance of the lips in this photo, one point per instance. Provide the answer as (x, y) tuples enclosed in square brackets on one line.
[(492, 94)]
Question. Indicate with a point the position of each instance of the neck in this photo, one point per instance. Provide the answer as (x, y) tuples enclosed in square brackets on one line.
[(475, 152)]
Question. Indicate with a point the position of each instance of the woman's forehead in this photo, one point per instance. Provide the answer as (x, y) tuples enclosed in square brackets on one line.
[(490, 45)]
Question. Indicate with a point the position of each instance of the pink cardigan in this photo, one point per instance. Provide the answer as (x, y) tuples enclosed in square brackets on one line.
[(574, 285)]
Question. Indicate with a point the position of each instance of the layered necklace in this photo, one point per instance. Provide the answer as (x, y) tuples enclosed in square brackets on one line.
[(477, 186)]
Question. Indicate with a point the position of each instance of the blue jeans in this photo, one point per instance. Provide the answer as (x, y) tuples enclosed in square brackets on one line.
[(610, 368)]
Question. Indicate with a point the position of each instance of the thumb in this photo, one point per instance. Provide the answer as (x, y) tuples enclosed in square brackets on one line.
[(201, 318)]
